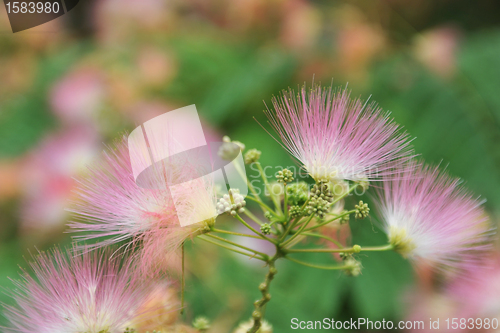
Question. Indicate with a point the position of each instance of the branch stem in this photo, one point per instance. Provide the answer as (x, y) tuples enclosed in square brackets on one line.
[(237, 245), (233, 233), (253, 229), (318, 266), (251, 255)]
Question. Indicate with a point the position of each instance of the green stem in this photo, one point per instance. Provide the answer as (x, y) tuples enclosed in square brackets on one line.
[(298, 232), (251, 255), (253, 229), (263, 205), (237, 245), (387, 247), (285, 202), (182, 280), (342, 250), (250, 186), (352, 188), (318, 266), (233, 233), (258, 313), (331, 220), (324, 237), (289, 228), (253, 217), (268, 187)]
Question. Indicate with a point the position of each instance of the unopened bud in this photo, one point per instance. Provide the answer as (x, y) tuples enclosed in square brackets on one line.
[(252, 156)]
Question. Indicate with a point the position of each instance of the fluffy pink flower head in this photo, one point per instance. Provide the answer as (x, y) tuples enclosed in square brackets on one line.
[(428, 215), (112, 205), (87, 292), (336, 138)]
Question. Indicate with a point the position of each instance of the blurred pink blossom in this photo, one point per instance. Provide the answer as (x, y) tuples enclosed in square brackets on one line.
[(78, 96), (117, 20), (301, 25), (10, 177), (47, 176), (155, 67), (478, 294), (437, 49), (358, 42)]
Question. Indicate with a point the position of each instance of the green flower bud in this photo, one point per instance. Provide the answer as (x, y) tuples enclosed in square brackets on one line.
[(265, 228), (362, 210), (297, 193), (285, 176), (295, 211), (317, 206), (252, 156), (201, 323), (354, 267), (344, 219)]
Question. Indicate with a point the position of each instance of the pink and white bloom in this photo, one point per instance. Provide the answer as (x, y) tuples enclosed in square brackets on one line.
[(336, 138), (428, 215), (110, 204), (90, 292)]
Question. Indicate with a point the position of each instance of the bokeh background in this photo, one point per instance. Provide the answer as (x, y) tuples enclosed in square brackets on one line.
[(72, 85)]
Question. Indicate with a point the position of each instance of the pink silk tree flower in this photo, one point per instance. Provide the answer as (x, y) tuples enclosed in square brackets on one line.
[(477, 294), (76, 292), (336, 138), (428, 215), (110, 204)]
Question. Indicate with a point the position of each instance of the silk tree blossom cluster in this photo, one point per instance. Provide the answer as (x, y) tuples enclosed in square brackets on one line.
[(81, 292), (429, 215), (337, 138), (346, 145), (112, 206)]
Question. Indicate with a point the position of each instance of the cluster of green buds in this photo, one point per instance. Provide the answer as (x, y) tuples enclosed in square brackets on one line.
[(201, 323), (232, 203), (353, 266), (320, 200), (265, 228), (295, 211), (362, 210), (284, 176), (127, 330), (345, 218), (252, 156), (297, 193)]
